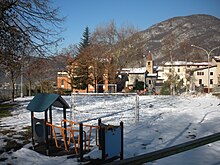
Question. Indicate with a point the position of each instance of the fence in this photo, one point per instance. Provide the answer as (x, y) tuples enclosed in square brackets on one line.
[(91, 106)]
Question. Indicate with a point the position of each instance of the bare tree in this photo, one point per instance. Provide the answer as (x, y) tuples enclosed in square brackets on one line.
[(43, 71), (169, 42), (11, 51), (115, 48), (12, 72), (185, 50), (36, 20), (26, 27)]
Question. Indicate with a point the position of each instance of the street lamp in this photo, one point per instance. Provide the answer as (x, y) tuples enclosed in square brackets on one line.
[(208, 54)]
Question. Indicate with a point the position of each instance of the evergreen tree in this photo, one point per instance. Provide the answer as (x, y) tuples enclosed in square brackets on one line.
[(84, 40), (82, 65)]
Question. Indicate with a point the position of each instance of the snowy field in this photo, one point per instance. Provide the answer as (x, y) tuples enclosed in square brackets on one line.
[(164, 121)]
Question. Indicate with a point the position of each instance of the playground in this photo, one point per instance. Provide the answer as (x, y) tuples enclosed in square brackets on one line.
[(164, 121)]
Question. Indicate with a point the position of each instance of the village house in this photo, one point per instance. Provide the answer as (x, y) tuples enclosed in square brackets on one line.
[(63, 80), (184, 71), (194, 76), (209, 76), (63, 84), (144, 75)]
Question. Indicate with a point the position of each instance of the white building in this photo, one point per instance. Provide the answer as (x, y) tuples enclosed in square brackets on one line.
[(180, 67), (193, 74), (209, 76)]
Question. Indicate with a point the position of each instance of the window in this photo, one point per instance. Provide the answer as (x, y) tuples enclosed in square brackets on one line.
[(62, 82), (200, 81), (200, 73), (211, 81), (170, 70), (149, 82), (178, 70), (148, 63), (211, 73)]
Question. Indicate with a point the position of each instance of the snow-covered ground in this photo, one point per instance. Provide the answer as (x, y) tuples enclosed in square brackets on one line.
[(164, 121)]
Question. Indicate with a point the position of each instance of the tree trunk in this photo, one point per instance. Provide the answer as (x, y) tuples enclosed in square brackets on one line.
[(29, 86), (41, 88), (13, 87)]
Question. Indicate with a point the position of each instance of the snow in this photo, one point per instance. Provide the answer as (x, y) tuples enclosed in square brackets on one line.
[(134, 70), (185, 63), (164, 121)]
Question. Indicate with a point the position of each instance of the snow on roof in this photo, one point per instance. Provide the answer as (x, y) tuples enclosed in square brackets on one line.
[(134, 70), (181, 63), (216, 58), (152, 74)]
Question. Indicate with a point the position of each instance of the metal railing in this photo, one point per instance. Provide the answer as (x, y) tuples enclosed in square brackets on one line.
[(149, 157)]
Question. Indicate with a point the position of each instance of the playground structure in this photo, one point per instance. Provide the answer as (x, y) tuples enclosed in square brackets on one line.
[(71, 138)]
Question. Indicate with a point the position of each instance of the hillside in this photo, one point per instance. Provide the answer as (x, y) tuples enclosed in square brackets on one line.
[(178, 34)]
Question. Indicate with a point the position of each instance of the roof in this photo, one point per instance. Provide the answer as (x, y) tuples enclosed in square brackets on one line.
[(199, 69), (42, 101), (149, 57), (184, 63), (141, 70), (216, 58)]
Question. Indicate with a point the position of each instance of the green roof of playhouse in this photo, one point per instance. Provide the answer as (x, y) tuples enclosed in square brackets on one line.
[(42, 101)]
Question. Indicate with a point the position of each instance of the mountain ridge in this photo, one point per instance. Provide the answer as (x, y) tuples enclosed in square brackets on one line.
[(198, 29)]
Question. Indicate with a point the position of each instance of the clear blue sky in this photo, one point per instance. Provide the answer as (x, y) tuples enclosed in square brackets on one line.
[(138, 13)]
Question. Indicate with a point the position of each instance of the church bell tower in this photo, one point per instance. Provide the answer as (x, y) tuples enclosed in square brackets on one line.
[(149, 63)]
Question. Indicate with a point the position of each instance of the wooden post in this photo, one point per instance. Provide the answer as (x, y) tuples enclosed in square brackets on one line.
[(51, 122), (103, 143), (46, 134), (81, 142), (99, 132), (122, 141), (64, 117), (32, 129), (136, 109)]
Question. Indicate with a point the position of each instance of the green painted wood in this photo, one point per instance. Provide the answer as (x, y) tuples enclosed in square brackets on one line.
[(42, 101)]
